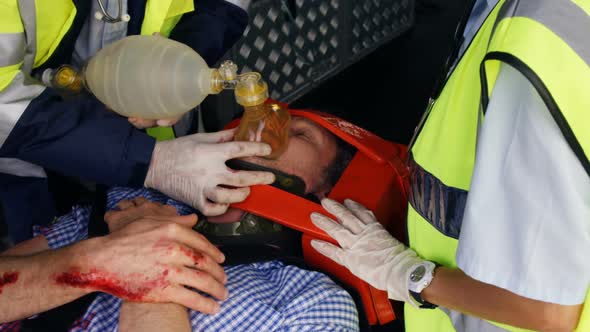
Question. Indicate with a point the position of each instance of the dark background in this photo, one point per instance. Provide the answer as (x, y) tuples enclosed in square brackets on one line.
[(387, 91)]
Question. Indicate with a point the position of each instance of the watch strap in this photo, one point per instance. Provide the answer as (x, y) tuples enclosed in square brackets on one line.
[(423, 303)]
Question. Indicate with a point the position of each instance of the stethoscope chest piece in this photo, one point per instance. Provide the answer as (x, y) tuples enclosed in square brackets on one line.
[(103, 15)]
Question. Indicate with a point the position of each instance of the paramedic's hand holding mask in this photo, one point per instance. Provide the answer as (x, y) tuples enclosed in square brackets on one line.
[(192, 169), (313, 155), (366, 248)]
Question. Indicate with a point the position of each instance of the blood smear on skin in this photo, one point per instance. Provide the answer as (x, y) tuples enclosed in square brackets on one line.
[(8, 278), (108, 283)]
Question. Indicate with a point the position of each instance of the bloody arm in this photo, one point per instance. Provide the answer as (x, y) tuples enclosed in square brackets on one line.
[(27, 283), (150, 260), (30, 247)]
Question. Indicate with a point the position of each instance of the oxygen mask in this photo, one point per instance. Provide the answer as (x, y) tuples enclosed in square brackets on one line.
[(262, 121)]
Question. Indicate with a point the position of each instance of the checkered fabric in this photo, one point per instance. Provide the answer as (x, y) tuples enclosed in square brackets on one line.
[(266, 296)]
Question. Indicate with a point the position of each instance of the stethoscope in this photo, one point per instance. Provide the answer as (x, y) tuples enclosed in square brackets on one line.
[(104, 16)]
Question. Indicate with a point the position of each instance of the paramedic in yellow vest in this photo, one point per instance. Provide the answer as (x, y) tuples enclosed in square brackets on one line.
[(78, 137), (499, 215)]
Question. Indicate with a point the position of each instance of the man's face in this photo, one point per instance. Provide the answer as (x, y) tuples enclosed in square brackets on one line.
[(310, 151)]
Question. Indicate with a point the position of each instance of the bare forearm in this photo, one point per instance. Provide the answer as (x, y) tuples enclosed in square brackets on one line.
[(153, 317), (30, 247), (453, 289), (29, 284)]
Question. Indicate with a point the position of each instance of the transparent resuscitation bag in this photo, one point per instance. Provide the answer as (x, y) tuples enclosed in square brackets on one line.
[(148, 77), (152, 77)]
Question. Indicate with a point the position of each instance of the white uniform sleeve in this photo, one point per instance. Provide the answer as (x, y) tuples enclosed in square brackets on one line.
[(526, 226)]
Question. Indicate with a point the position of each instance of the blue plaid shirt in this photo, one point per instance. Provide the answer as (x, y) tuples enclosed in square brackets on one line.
[(268, 296)]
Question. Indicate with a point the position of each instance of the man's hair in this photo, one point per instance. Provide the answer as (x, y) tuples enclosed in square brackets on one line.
[(332, 173)]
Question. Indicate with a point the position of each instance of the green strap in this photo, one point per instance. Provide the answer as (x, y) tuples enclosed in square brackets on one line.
[(161, 133)]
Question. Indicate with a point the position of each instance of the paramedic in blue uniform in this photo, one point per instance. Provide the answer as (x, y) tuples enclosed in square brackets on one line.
[(79, 137)]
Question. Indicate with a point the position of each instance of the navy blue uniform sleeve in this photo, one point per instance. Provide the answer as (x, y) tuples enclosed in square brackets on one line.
[(79, 137), (212, 29)]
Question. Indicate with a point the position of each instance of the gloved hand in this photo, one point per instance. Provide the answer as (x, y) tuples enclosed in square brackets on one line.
[(367, 249), (192, 169)]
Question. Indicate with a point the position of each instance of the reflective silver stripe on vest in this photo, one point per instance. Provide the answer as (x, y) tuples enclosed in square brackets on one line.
[(28, 15), (20, 168), (441, 205), (564, 17), (14, 100), (12, 48), (16, 97)]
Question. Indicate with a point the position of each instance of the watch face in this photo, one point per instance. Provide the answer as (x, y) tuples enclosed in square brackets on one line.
[(418, 273)]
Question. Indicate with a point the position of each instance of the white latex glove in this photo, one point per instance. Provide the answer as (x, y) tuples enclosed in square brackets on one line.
[(367, 249), (192, 169)]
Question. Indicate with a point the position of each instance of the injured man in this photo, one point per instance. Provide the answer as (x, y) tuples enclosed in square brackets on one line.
[(265, 294)]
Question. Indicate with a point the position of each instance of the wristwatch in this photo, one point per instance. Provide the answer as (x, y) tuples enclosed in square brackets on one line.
[(419, 279)]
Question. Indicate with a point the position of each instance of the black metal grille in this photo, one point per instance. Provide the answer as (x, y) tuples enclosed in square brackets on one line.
[(377, 21), (298, 47)]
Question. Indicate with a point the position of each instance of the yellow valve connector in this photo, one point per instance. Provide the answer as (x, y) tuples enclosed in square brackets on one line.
[(251, 90)]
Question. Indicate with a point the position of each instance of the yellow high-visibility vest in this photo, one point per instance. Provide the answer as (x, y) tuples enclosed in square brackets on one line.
[(545, 48), (30, 32)]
